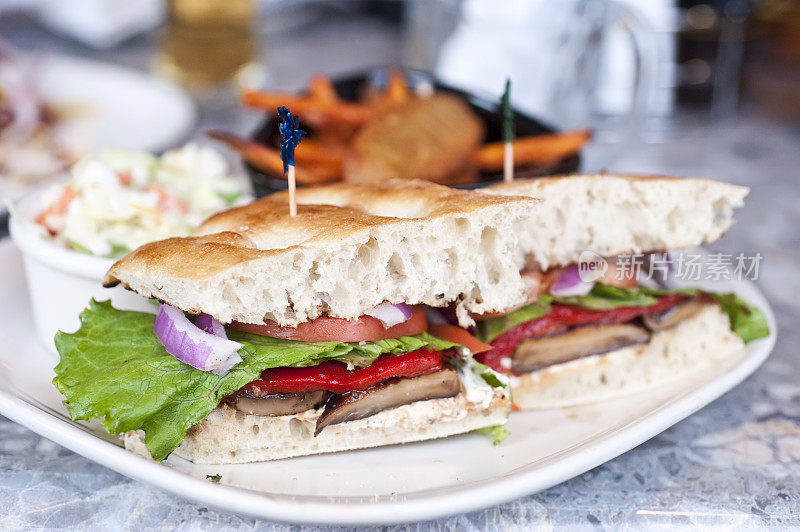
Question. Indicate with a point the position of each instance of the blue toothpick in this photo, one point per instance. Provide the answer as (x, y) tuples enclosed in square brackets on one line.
[(290, 138)]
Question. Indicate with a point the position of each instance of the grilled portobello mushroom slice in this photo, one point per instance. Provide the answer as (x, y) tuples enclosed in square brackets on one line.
[(538, 353), (278, 404), (392, 393), (673, 316)]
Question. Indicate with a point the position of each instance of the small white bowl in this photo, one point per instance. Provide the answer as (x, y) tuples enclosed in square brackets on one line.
[(61, 281)]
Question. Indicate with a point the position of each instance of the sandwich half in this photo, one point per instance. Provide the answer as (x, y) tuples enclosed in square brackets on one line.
[(280, 336), (592, 327)]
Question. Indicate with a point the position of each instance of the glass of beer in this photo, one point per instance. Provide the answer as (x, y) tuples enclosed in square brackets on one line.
[(210, 45)]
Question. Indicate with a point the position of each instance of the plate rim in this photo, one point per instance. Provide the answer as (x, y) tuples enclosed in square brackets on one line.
[(419, 506)]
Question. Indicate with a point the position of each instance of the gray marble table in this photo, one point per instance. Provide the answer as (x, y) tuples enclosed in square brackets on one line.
[(734, 463)]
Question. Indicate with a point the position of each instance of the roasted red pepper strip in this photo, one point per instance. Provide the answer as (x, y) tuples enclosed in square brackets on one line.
[(563, 316), (334, 376)]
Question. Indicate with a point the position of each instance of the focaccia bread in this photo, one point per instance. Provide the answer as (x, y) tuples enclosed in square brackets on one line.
[(700, 345), (620, 214), (350, 248)]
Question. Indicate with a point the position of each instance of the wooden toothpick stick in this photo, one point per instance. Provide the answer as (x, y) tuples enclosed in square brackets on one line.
[(508, 161), (292, 187), (290, 138)]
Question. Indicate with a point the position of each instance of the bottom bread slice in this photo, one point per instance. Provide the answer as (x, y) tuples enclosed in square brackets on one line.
[(228, 436), (698, 345)]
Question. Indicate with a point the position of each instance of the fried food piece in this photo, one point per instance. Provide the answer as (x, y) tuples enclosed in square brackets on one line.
[(321, 88), (530, 150), (336, 110), (268, 160), (318, 152), (395, 93), (396, 88), (426, 138)]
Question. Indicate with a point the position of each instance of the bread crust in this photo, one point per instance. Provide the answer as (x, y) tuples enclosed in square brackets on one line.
[(228, 436), (701, 344)]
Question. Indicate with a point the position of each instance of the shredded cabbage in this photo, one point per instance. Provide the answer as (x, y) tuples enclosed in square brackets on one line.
[(123, 199)]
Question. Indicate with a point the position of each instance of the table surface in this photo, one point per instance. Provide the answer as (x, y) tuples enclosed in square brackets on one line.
[(736, 462)]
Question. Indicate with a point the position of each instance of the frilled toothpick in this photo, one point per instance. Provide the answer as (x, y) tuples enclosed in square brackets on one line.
[(290, 138), (508, 134)]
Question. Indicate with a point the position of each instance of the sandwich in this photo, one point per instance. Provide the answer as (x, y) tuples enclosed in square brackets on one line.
[(595, 325), (279, 336)]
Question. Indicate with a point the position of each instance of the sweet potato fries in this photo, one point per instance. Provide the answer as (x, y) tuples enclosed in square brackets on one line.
[(393, 133)]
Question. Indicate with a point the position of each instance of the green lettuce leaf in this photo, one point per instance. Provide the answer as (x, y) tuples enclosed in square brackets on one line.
[(489, 376), (746, 320), (277, 353), (78, 247), (230, 197), (489, 330), (607, 297), (118, 251), (472, 369), (497, 432), (114, 368)]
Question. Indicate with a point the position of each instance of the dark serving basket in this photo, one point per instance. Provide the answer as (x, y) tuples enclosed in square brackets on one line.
[(487, 109)]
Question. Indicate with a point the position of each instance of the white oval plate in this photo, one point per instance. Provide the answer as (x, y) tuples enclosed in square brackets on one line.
[(376, 486), (117, 107)]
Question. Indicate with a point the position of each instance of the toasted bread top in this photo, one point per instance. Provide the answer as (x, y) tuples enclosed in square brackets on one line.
[(612, 214), (349, 248)]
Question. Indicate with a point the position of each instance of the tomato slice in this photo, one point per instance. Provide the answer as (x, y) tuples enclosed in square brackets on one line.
[(457, 335), (624, 276), (363, 329), (335, 377), (562, 316)]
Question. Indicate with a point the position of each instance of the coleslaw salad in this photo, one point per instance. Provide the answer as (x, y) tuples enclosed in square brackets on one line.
[(118, 200)]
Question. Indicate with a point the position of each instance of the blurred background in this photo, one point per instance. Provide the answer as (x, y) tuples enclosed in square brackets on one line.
[(680, 87), (642, 74)]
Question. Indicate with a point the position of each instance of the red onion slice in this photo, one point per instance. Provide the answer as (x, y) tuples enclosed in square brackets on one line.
[(660, 268), (389, 314), (192, 345), (569, 283), (209, 324), (435, 317)]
